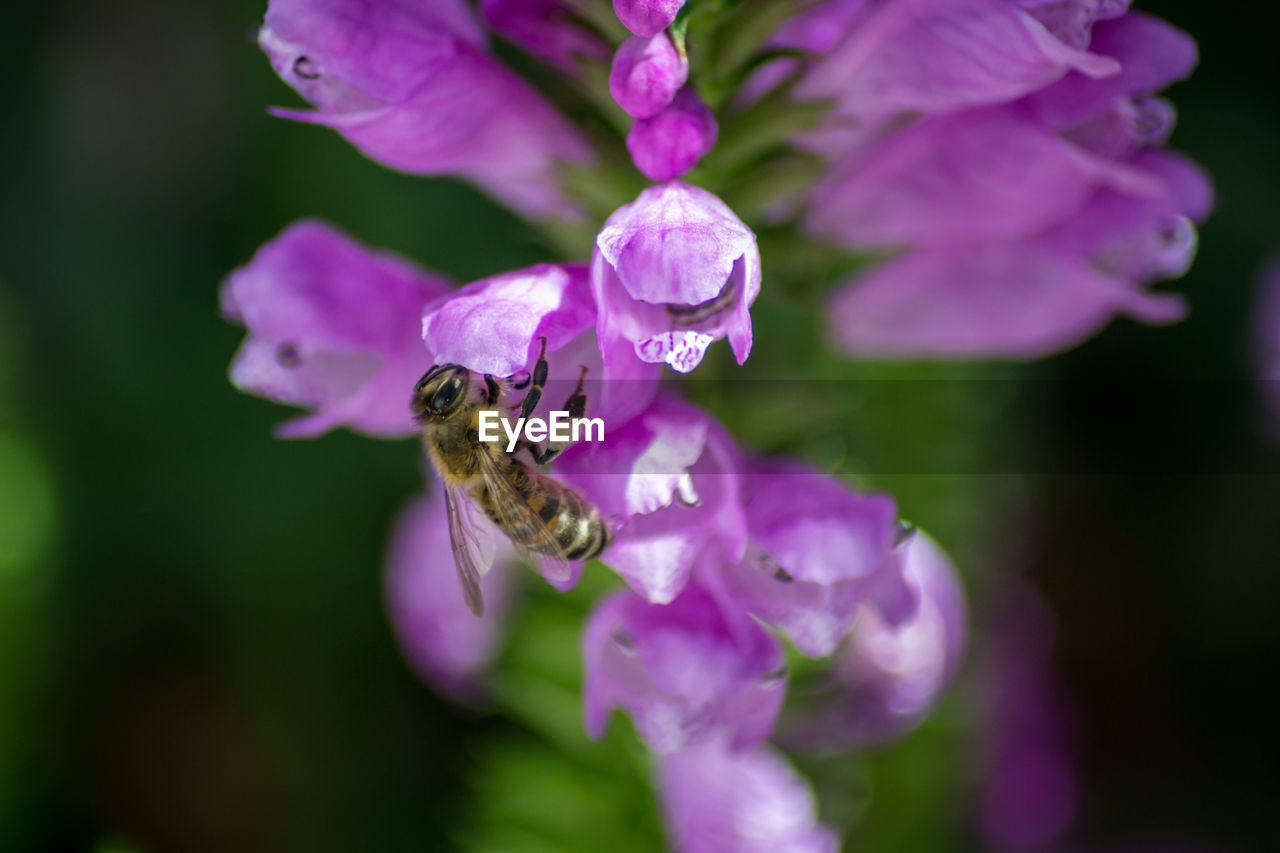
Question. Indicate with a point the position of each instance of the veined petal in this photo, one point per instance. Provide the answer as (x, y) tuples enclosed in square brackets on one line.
[(493, 325), (672, 272), (675, 243)]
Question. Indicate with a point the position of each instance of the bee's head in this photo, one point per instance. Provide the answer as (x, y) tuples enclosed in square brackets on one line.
[(440, 391)]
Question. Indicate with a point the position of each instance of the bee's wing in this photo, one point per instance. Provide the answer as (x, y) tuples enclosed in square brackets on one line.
[(468, 551), (526, 529)]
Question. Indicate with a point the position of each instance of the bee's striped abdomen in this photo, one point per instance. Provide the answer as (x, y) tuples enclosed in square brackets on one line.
[(578, 527), (574, 523)]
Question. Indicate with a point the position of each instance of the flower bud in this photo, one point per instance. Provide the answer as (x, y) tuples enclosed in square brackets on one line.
[(671, 143), (646, 74)]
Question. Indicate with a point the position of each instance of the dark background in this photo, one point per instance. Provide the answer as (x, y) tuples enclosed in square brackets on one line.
[(194, 652)]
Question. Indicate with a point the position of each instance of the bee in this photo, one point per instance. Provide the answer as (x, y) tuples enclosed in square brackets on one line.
[(536, 513)]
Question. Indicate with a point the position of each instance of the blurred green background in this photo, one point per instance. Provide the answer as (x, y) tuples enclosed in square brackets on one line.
[(194, 653)]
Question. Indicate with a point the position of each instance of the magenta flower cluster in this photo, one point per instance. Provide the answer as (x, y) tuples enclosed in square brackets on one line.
[(1008, 152), (1001, 160)]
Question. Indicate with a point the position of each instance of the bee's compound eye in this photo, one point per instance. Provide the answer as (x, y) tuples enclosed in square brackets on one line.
[(426, 377), (448, 393)]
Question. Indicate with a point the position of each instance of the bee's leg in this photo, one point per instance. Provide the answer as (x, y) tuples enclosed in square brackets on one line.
[(531, 399), (493, 390), (576, 406)]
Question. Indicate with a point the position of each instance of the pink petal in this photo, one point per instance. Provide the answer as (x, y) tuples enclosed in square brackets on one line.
[(937, 56), (1017, 301)]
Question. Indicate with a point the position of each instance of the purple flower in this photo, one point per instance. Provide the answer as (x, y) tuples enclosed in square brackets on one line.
[(646, 17), (546, 29), (332, 327), (719, 800), (1070, 21), (672, 272), (447, 645), (817, 552), (955, 180), (411, 87), (646, 74), (1011, 301), (1027, 226), (1150, 53), (668, 481), (891, 670), (670, 143), (680, 672), (894, 673), (493, 326), (939, 56)]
